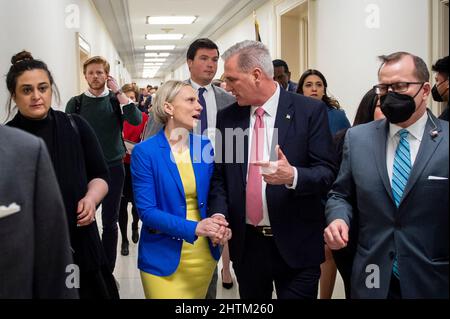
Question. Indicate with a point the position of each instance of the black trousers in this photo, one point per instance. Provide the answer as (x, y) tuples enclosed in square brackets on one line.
[(262, 265), (127, 197), (394, 289), (110, 213)]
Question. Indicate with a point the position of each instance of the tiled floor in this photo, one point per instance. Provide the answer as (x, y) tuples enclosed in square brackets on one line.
[(127, 274)]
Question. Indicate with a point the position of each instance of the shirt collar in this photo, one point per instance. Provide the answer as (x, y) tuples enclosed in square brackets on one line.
[(197, 86), (415, 129), (105, 93), (271, 105)]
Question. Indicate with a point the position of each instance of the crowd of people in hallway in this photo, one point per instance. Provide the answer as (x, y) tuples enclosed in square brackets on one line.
[(293, 195)]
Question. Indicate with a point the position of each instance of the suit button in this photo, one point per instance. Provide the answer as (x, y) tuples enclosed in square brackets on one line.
[(202, 204), (391, 254), (173, 238)]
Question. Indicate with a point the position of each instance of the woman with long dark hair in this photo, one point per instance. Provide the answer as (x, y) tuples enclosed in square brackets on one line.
[(78, 162), (312, 83)]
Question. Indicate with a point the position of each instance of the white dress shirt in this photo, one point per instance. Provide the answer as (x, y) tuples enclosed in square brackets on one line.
[(106, 93), (211, 110), (270, 108), (414, 139)]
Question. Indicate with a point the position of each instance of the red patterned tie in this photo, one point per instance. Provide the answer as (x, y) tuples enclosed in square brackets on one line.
[(253, 198)]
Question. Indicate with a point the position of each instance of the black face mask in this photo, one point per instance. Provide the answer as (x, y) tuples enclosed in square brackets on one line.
[(435, 93), (398, 107)]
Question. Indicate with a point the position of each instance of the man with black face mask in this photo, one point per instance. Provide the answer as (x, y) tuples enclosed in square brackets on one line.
[(395, 171), (440, 89)]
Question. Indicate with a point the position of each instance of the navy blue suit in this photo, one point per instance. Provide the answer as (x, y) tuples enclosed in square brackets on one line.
[(296, 216)]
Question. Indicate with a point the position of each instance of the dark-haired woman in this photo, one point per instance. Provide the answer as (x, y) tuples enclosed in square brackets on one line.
[(78, 162), (312, 83), (368, 110)]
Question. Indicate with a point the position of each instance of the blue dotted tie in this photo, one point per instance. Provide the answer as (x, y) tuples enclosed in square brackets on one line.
[(203, 116), (400, 175)]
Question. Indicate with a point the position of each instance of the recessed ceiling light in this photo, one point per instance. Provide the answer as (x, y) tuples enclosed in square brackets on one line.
[(156, 55), (150, 72), (171, 20), (164, 36), (160, 47), (154, 60), (153, 64)]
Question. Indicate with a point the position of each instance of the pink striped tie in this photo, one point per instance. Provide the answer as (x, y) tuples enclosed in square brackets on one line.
[(253, 198)]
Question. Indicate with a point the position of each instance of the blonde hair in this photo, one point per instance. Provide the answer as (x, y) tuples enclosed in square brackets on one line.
[(96, 60), (166, 93)]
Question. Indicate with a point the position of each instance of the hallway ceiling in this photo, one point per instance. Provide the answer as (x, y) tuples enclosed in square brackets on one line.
[(126, 23)]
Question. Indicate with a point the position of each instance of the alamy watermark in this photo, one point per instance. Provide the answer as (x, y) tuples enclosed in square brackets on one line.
[(232, 147), (373, 17), (72, 14), (373, 277), (73, 277)]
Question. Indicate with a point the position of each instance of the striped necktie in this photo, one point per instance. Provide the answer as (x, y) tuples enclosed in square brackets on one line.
[(400, 175)]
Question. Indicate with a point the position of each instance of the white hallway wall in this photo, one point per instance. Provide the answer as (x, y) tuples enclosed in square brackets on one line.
[(348, 40), (40, 27)]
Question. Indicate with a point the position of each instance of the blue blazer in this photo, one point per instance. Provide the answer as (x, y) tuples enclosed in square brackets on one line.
[(337, 120), (161, 202)]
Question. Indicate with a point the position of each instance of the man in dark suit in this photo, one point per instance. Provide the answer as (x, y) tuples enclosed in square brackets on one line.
[(283, 76), (36, 259), (202, 57), (277, 218), (395, 171)]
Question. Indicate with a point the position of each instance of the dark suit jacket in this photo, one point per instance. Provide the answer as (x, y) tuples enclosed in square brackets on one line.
[(292, 87), (34, 241), (417, 231), (296, 216)]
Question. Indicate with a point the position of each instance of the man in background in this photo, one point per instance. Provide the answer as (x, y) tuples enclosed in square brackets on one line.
[(283, 76)]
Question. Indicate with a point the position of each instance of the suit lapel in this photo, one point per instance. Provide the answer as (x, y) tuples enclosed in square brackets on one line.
[(170, 161), (242, 121), (284, 118), (218, 96), (427, 148), (380, 155), (195, 150)]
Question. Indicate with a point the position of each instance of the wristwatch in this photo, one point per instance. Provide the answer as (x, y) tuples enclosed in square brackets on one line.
[(118, 92)]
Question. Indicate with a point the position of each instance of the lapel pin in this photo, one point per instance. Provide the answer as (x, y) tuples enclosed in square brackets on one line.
[(288, 116)]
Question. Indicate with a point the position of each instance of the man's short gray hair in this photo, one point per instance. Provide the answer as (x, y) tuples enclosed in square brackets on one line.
[(252, 54)]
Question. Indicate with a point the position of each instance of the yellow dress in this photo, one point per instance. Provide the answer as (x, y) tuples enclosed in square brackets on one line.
[(193, 275)]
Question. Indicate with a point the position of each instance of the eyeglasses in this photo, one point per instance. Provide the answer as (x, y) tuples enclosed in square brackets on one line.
[(399, 87)]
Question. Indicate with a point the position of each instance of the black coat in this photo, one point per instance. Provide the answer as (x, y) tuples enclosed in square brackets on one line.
[(296, 216)]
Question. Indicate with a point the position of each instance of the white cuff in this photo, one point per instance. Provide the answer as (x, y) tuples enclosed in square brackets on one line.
[(294, 182), (129, 102), (219, 215)]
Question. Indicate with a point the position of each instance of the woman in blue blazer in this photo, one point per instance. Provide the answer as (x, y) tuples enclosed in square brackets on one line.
[(171, 173)]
